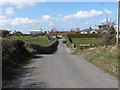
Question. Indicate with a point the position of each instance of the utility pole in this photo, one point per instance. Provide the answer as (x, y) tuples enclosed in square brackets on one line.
[(118, 29)]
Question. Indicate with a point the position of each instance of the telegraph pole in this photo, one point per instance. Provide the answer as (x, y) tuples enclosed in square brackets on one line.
[(118, 29)]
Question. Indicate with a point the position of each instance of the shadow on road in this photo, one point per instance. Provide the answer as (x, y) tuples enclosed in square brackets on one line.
[(23, 71), (31, 85), (37, 85), (34, 57)]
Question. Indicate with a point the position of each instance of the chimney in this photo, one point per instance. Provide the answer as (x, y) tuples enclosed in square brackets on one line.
[(90, 28)]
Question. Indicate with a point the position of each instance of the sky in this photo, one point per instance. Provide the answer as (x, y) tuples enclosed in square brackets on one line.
[(26, 16)]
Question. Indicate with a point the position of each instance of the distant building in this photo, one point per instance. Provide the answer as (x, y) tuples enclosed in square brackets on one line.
[(86, 31), (77, 30), (52, 34), (17, 33), (35, 31), (102, 29), (98, 31), (94, 31)]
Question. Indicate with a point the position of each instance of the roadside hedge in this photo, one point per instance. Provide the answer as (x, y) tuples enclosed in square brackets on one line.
[(93, 35), (50, 49), (14, 54)]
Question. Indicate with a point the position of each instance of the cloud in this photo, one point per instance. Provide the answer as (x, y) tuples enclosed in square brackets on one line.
[(9, 11), (88, 23), (51, 24), (105, 20), (46, 17), (0, 12), (107, 11), (4, 21), (24, 24), (18, 3), (2, 17), (84, 14), (19, 21)]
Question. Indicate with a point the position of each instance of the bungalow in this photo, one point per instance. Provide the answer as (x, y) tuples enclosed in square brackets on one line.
[(94, 31), (35, 31), (98, 31), (86, 31), (90, 30)]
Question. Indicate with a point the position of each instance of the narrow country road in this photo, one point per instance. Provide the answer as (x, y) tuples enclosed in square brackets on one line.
[(63, 70)]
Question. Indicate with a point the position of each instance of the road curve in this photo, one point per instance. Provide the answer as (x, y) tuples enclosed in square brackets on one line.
[(63, 70)]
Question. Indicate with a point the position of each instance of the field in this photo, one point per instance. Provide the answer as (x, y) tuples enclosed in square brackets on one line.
[(28, 39), (77, 42), (106, 59)]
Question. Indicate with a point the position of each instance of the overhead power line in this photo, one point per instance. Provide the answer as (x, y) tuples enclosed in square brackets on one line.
[(100, 5)]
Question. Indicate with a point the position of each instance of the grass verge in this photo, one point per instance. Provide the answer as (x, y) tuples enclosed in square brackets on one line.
[(69, 45), (106, 59), (80, 52)]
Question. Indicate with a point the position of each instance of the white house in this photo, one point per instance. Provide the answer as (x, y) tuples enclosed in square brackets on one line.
[(86, 31), (98, 31), (94, 31), (101, 29), (35, 31)]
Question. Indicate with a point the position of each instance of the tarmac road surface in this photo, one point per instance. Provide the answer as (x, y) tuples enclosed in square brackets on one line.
[(63, 70)]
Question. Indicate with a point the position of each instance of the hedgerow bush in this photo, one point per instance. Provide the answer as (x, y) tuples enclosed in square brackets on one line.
[(4, 33), (43, 49), (14, 54), (14, 50), (108, 42), (78, 35)]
